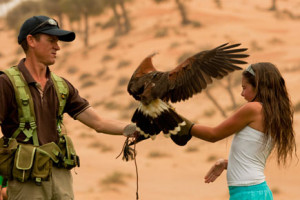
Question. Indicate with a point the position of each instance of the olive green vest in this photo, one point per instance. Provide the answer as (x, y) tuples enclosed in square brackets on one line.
[(25, 103)]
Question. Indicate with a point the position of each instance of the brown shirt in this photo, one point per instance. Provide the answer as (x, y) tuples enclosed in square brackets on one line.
[(45, 106)]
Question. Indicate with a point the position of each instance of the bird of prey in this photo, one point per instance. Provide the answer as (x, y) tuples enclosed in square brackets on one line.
[(154, 89)]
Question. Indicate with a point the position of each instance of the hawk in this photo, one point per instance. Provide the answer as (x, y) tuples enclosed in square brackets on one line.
[(155, 89)]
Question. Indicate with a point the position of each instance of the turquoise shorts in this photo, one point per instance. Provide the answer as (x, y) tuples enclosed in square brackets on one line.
[(253, 192), (1, 182)]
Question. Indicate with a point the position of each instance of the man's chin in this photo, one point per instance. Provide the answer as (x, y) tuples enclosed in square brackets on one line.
[(50, 63)]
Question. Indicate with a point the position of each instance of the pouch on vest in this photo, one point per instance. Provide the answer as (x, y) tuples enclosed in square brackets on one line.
[(23, 162), (42, 166), (69, 159), (8, 147)]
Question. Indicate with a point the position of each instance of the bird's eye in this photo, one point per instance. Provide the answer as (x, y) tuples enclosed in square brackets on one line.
[(154, 75), (140, 90)]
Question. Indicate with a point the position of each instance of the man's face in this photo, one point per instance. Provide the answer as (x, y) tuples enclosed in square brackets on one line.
[(45, 49)]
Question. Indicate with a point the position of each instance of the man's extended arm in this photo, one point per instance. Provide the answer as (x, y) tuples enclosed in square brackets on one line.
[(90, 118)]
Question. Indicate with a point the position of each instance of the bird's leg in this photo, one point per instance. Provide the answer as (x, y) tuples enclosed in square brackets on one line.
[(129, 153)]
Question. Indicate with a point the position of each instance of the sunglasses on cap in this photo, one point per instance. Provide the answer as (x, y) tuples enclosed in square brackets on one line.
[(50, 22)]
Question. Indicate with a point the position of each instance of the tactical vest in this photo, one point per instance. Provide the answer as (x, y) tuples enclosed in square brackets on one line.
[(25, 103), (27, 161)]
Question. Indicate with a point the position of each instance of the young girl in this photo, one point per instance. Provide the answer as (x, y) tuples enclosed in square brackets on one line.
[(264, 123)]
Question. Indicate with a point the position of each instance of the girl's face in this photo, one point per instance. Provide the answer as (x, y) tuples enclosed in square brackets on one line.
[(248, 91)]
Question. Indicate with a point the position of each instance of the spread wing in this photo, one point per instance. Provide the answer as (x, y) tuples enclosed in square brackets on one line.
[(193, 75)]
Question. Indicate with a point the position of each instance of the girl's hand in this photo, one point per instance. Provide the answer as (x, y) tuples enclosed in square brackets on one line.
[(216, 170)]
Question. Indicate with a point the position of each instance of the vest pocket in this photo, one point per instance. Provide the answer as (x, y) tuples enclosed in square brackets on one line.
[(23, 162), (45, 155), (8, 147)]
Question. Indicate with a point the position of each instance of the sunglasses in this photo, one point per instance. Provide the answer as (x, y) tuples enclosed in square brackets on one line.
[(48, 22)]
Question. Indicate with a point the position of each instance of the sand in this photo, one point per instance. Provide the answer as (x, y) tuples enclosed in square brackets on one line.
[(167, 171)]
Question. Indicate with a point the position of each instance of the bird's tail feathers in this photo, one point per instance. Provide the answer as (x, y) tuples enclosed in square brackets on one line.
[(156, 117)]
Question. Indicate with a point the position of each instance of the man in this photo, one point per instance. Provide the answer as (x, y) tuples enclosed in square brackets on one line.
[(39, 36)]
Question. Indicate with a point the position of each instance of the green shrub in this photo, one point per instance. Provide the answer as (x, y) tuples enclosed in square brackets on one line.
[(87, 84), (123, 63), (161, 32), (106, 58), (72, 69), (114, 178), (157, 154)]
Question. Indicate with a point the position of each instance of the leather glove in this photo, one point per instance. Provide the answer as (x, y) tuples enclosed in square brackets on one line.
[(129, 130), (184, 135)]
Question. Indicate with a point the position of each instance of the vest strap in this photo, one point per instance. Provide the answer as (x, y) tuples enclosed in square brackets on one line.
[(26, 107), (62, 92)]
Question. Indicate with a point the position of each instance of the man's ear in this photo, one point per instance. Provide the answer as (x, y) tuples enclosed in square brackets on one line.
[(30, 40)]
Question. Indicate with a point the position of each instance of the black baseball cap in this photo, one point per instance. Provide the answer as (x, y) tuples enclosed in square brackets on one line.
[(44, 24)]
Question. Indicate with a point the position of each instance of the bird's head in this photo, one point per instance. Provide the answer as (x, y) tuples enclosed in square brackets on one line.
[(145, 67)]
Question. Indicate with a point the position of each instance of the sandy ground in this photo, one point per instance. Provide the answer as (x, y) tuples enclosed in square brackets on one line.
[(166, 171)]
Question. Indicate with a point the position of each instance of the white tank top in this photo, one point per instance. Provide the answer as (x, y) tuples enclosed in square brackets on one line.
[(247, 158)]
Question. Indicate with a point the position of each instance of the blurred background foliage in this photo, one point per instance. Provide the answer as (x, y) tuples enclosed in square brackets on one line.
[(79, 11)]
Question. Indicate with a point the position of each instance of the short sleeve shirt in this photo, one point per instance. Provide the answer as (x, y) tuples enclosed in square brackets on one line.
[(45, 106)]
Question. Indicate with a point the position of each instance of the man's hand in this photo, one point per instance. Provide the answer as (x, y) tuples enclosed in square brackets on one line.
[(216, 170)]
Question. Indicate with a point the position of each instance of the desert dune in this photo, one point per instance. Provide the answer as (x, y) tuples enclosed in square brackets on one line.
[(101, 73)]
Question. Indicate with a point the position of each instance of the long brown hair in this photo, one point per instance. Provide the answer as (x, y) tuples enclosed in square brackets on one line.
[(277, 108)]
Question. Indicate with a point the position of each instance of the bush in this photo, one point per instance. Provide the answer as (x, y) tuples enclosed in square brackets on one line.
[(106, 58), (114, 178), (161, 32), (85, 76), (157, 154), (123, 63), (72, 69), (87, 84), (112, 44)]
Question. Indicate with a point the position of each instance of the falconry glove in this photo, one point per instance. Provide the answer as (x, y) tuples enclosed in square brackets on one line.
[(129, 130), (184, 135)]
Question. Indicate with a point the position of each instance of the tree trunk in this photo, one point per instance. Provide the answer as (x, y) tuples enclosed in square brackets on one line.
[(86, 29), (60, 20), (125, 16), (182, 11), (273, 7), (214, 101), (117, 19), (218, 3), (229, 89)]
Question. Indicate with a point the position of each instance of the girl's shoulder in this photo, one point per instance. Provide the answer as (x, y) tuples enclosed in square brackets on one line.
[(252, 107)]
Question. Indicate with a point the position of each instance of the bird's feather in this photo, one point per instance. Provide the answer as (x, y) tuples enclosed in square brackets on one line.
[(155, 88)]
